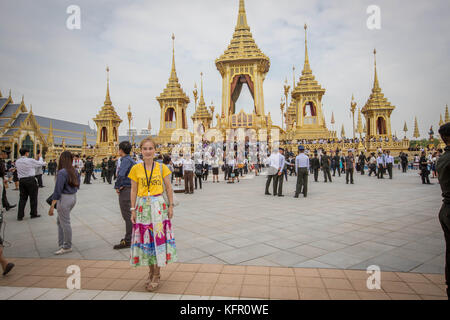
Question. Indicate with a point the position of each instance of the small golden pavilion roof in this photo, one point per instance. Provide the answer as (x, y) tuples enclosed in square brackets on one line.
[(377, 99), (173, 89), (107, 112), (242, 46), (202, 111), (307, 81)]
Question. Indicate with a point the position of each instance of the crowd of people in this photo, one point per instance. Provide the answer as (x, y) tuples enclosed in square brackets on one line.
[(143, 184)]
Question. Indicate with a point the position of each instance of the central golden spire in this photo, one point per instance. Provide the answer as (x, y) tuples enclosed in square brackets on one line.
[(242, 18), (173, 73), (107, 99), (307, 67), (242, 46), (376, 85)]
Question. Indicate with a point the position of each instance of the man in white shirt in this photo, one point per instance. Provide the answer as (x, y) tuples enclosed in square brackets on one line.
[(274, 165), (381, 165), (26, 170), (389, 163), (188, 170), (278, 181), (78, 164), (301, 168)]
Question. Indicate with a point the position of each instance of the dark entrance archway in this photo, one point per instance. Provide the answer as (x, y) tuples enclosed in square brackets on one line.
[(236, 87)]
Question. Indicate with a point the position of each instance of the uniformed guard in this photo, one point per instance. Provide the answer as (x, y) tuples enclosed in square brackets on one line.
[(423, 166), (315, 165), (443, 169), (349, 165), (336, 160), (362, 162), (325, 163), (301, 168)]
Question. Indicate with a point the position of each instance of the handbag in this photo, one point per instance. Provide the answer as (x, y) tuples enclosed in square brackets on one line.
[(50, 200), (165, 196)]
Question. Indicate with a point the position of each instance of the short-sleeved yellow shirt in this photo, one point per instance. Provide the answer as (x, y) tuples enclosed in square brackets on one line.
[(137, 174)]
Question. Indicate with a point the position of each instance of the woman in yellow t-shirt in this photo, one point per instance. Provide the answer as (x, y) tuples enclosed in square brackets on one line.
[(153, 242)]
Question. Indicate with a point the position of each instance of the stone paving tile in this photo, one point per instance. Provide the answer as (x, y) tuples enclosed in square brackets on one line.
[(29, 294)]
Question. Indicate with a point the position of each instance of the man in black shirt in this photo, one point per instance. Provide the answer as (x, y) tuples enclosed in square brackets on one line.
[(315, 165), (423, 166), (443, 169), (349, 166), (362, 162), (336, 160), (325, 164), (89, 168)]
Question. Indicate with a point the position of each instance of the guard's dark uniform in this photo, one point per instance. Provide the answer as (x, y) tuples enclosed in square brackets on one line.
[(325, 163), (315, 165), (89, 169), (443, 169), (423, 165)]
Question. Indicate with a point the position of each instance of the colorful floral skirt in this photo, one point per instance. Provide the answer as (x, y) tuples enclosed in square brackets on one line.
[(152, 241)]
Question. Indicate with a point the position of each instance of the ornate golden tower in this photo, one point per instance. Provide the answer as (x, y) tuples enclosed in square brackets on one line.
[(307, 101), (242, 63), (377, 111), (173, 103), (202, 115), (107, 122)]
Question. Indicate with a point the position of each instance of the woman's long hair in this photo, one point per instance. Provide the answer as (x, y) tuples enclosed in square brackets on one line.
[(65, 162)]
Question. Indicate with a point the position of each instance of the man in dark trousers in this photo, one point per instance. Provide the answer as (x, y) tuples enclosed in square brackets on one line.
[(325, 163), (104, 167), (88, 168), (111, 169), (279, 179), (362, 162), (443, 169), (404, 161), (26, 170), (349, 166), (389, 163), (301, 168), (423, 166), (123, 189), (315, 164), (5, 202), (336, 160)]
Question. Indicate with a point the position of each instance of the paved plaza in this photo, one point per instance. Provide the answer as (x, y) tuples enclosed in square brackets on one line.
[(389, 223)]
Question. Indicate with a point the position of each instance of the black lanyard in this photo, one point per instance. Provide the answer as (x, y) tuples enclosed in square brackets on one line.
[(146, 177)]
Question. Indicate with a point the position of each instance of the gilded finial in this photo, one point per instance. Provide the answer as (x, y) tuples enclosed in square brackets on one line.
[(441, 122), (23, 97), (31, 108), (173, 74), (9, 93), (107, 99), (416, 129), (375, 83), (306, 68), (293, 73), (1, 96), (242, 17)]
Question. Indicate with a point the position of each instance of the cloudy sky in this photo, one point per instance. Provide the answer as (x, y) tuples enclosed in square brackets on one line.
[(62, 73)]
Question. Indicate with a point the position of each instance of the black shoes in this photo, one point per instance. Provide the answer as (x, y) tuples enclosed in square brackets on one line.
[(8, 268), (268, 193), (280, 195), (19, 219), (36, 216), (122, 245), (11, 207)]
